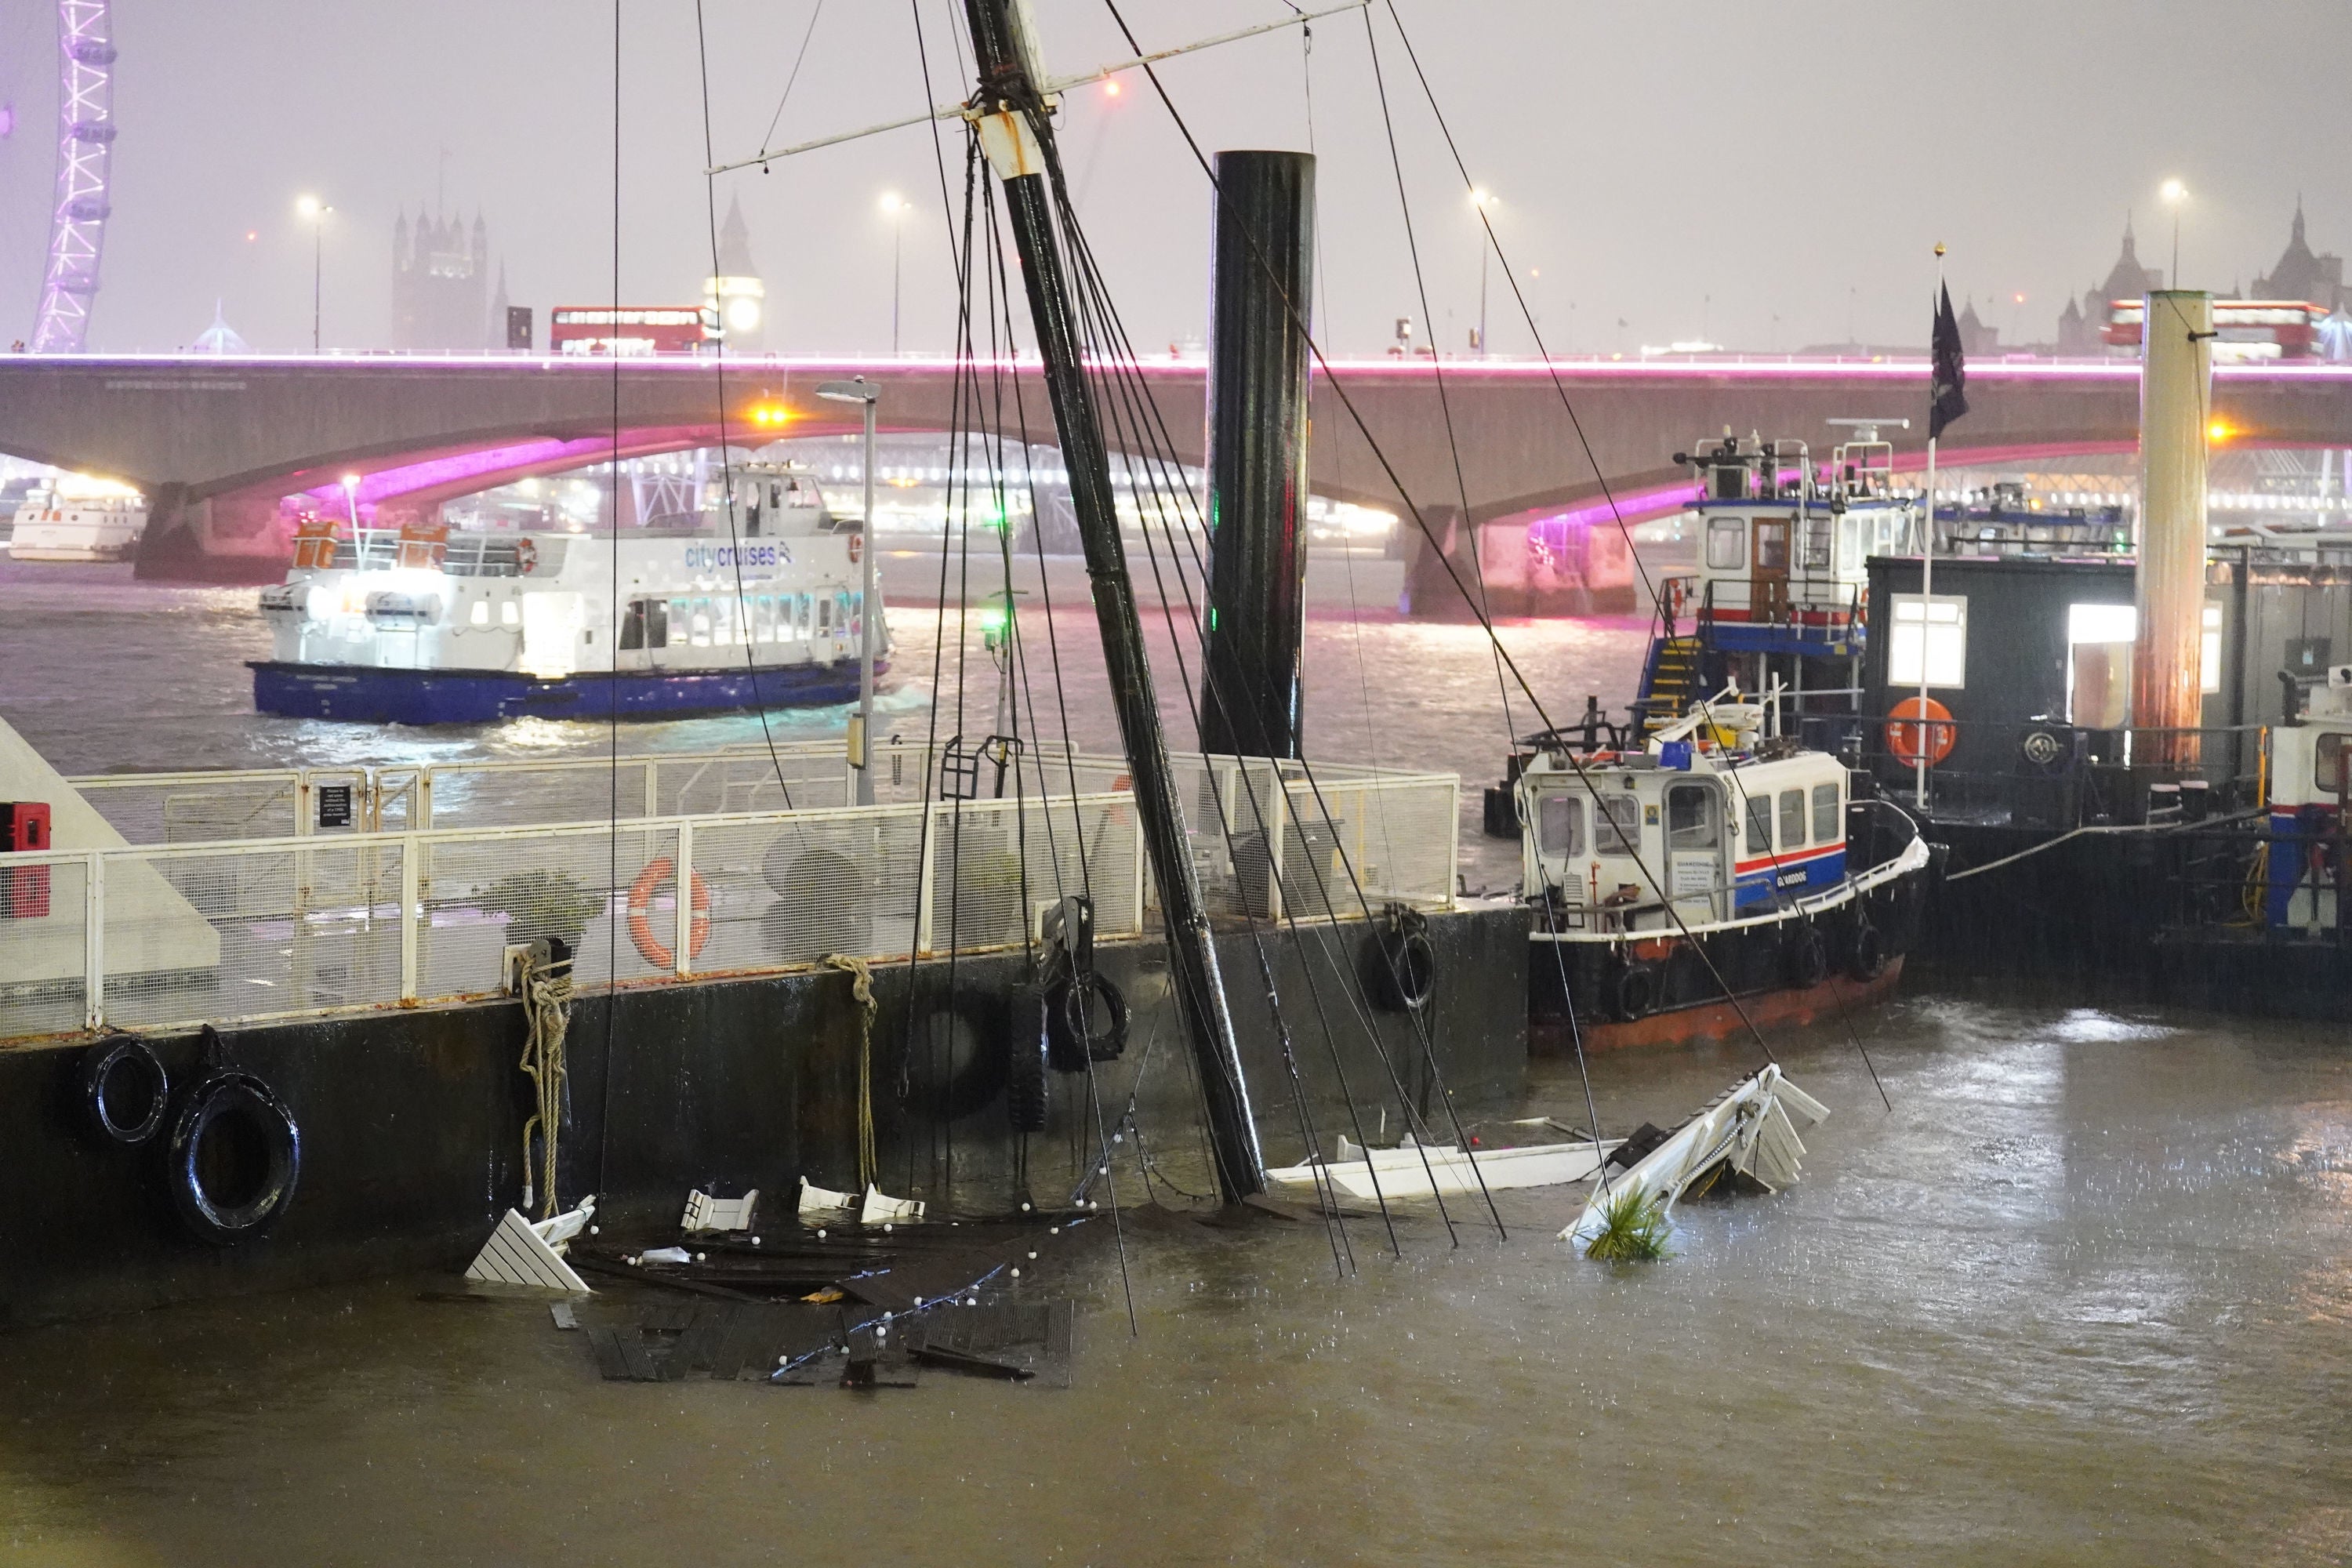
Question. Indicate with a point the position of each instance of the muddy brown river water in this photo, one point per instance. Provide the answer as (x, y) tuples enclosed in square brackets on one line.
[(2084, 1296)]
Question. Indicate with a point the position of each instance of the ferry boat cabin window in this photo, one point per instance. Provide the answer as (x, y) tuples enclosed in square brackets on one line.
[(698, 623), (1559, 824), (824, 616), (800, 613), (1727, 543), (1760, 825), (1792, 819), (1941, 628), (1691, 821), (2327, 764), (480, 614), (1825, 815), (645, 624)]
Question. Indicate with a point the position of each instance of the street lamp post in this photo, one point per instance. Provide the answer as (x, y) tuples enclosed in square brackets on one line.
[(897, 210), (2174, 194), (1485, 201), (315, 210), (863, 392)]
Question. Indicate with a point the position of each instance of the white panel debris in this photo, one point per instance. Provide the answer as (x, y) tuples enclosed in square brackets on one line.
[(1751, 1128)]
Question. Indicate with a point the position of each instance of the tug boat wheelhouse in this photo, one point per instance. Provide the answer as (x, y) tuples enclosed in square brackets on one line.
[(1711, 858), (419, 626), (78, 519)]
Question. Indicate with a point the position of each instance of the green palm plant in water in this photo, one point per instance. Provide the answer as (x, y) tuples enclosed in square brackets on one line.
[(1634, 1229)]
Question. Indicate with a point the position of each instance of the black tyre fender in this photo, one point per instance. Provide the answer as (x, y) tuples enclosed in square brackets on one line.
[(1399, 964), (1867, 955), (1072, 1040), (1027, 1093), (957, 1050), (1808, 957), (233, 1160), (1633, 993), (122, 1091)]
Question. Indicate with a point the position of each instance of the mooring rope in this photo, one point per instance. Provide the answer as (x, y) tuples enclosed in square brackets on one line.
[(861, 975), (547, 1011)]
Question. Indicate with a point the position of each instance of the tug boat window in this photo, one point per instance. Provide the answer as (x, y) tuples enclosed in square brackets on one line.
[(510, 614), (1691, 821), (1792, 819), (480, 614), (2327, 764), (1760, 825), (1825, 814), (1727, 543), (1559, 826), (1618, 824), (1814, 549)]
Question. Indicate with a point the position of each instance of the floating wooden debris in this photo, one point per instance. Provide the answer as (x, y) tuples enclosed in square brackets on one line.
[(1415, 1171), (521, 1252), (707, 1213)]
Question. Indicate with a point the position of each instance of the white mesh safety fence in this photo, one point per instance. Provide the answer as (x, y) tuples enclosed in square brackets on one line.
[(243, 930)]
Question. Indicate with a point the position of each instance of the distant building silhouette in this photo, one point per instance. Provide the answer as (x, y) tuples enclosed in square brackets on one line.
[(220, 338), (440, 275), (2300, 274), (1975, 338), (735, 290)]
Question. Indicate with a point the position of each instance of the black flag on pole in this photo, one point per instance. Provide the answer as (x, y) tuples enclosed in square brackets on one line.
[(1947, 397)]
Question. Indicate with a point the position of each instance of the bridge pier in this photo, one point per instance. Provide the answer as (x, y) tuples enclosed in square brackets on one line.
[(233, 538)]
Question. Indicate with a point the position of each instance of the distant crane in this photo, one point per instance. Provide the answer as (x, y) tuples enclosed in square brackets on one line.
[(85, 152)]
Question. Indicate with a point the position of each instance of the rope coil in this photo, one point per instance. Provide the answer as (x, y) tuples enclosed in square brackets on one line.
[(547, 1013)]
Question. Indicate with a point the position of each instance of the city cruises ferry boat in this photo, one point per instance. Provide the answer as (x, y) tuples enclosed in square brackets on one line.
[(76, 518), (420, 626), (1711, 860)]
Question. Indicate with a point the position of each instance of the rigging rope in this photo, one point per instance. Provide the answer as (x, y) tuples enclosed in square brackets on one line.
[(861, 974)]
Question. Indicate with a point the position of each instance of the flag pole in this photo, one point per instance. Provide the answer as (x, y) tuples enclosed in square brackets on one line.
[(1927, 571)]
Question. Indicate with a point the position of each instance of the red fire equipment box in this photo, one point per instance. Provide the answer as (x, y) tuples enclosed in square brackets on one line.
[(23, 889)]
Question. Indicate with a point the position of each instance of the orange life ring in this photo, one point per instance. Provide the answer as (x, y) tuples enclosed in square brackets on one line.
[(651, 948), (1917, 725), (1677, 596), (526, 557), (856, 546)]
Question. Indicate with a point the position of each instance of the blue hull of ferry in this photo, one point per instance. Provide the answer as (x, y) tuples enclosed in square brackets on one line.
[(474, 697)]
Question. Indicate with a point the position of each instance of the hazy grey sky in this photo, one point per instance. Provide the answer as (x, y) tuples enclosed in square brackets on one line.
[(1796, 160)]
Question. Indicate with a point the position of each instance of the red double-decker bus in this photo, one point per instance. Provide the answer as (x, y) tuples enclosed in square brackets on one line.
[(2242, 329), (631, 329)]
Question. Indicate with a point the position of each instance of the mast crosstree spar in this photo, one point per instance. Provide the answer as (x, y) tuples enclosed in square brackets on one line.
[(1016, 133)]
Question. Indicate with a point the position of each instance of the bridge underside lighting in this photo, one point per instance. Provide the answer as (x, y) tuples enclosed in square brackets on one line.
[(770, 415)]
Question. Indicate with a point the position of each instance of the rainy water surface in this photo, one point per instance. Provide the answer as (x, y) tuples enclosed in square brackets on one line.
[(2083, 1296)]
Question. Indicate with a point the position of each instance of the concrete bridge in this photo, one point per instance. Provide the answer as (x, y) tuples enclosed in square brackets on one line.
[(216, 442)]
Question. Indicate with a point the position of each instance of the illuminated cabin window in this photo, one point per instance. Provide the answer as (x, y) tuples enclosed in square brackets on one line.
[(1940, 626), (2209, 651), (1727, 543)]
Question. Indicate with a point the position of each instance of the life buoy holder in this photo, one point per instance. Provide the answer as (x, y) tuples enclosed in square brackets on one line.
[(651, 948), (234, 1158), (1917, 725), (526, 557)]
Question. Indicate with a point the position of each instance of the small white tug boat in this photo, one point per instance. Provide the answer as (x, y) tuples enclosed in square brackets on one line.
[(1712, 860), (420, 626), (78, 518)]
